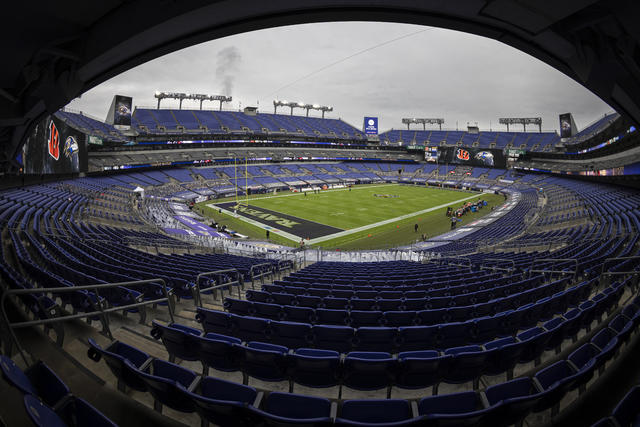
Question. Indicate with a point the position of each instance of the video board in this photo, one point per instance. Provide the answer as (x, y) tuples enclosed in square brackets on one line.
[(472, 156), (53, 147)]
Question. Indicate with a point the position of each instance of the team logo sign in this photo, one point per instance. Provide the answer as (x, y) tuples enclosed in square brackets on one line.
[(485, 157), (70, 147), (462, 154), (53, 142)]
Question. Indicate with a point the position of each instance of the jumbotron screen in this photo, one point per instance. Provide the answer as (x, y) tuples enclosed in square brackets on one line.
[(54, 148), (431, 154), (472, 156)]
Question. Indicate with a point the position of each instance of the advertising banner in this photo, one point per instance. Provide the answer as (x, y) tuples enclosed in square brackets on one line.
[(371, 125)]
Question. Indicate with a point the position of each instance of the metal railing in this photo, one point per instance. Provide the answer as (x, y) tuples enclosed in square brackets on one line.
[(261, 275), (286, 265), (624, 258), (197, 290), (494, 268), (458, 261), (554, 261), (101, 312)]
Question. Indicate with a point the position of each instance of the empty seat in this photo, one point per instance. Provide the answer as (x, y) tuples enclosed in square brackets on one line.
[(457, 409), (266, 362), (290, 334), (250, 328), (239, 307), (223, 402), (557, 333), (336, 303), (268, 311), (622, 326), (166, 381), (314, 367), (453, 334), (412, 338), (115, 356), (74, 411), (298, 314), (607, 342), (516, 399), (583, 361), (214, 321), (363, 304), (326, 316), (337, 338), (371, 412), (466, 364), (219, 352), (283, 409), (369, 370), (502, 356), (179, 340), (308, 301), (389, 304), (285, 298), (534, 341), (553, 382), (358, 318), (420, 369), (375, 339), (80, 413), (38, 380), (399, 318)]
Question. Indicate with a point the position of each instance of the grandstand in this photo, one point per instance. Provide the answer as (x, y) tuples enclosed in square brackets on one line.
[(515, 307), (174, 280)]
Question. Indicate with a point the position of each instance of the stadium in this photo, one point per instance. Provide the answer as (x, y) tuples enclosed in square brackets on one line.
[(198, 263)]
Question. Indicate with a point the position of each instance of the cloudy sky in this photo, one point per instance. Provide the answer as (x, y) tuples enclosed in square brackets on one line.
[(386, 70)]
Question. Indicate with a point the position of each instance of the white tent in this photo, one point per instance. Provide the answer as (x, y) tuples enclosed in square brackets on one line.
[(139, 190)]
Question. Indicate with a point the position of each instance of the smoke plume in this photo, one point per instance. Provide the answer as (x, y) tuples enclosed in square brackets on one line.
[(228, 60)]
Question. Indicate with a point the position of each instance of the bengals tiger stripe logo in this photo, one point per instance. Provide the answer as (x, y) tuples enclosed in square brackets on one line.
[(54, 141), (462, 154)]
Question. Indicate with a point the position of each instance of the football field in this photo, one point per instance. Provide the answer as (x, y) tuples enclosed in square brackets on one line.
[(366, 216)]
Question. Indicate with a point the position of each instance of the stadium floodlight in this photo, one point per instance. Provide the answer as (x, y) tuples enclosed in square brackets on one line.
[(193, 96), (278, 103), (424, 122), (524, 121)]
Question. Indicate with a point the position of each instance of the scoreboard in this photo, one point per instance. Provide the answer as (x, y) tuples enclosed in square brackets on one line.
[(431, 154)]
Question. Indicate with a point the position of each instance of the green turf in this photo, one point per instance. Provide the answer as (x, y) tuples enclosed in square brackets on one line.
[(351, 209)]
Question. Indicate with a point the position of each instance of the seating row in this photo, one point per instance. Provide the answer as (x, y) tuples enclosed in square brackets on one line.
[(520, 310), (465, 295), (226, 403), (368, 367)]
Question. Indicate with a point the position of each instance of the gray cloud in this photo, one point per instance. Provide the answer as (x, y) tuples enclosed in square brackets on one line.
[(437, 73)]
